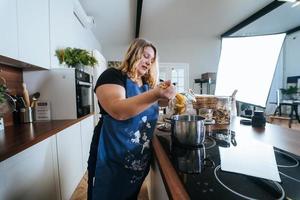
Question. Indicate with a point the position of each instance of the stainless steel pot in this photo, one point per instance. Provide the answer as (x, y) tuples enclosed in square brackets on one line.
[(188, 129)]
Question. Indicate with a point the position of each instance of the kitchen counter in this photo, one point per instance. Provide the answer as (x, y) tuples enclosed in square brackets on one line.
[(282, 138), (20, 137)]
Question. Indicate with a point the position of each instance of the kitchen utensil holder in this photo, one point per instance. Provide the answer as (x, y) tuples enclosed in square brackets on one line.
[(26, 115)]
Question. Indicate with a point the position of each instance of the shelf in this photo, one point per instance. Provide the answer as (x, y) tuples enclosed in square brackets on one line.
[(208, 81)]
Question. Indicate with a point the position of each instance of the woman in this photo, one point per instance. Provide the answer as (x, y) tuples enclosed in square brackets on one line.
[(128, 99)]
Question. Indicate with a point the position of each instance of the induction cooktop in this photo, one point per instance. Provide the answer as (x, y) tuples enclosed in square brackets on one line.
[(200, 171)]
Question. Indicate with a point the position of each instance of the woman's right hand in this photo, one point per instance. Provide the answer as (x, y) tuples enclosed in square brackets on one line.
[(165, 90)]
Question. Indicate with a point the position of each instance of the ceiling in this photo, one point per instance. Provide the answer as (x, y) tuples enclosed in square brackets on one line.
[(115, 20), (279, 20), (167, 19)]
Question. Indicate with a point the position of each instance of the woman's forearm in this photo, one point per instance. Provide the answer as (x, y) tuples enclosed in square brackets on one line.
[(126, 108), (113, 99)]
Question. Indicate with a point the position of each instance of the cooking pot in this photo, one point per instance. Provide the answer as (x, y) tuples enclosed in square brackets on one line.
[(188, 129)]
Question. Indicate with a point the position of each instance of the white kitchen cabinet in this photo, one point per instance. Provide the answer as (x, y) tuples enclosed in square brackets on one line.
[(87, 129), (69, 153), (62, 33), (9, 29), (33, 32), (50, 169), (156, 188), (67, 31), (31, 174)]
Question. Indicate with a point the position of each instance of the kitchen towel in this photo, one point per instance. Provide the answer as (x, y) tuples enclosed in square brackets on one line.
[(252, 158)]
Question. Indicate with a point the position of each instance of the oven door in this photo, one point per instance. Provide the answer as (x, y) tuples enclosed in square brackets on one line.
[(84, 98)]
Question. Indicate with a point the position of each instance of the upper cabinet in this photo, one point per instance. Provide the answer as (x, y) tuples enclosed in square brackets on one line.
[(25, 31), (9, 29), (67, 31), (62, 33), (31, 31), (33, 25)]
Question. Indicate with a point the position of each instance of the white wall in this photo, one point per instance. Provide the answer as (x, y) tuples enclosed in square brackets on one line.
[(202, 54), (292, 56), (288, 65), (277, 83), (114, 52)]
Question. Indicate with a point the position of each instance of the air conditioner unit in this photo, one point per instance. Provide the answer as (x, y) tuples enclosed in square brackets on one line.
[(85, 20)]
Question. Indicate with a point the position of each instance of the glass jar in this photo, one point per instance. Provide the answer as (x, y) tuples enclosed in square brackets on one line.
[(220, 105), (206, 113)]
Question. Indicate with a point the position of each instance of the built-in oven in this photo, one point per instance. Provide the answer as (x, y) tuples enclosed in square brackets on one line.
[(84, 93)]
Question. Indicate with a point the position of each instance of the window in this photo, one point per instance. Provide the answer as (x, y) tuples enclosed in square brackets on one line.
[(177, 73)]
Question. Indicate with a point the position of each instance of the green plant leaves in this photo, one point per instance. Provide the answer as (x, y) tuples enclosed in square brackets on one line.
[(289, 90), (2, 91), (74, 56)]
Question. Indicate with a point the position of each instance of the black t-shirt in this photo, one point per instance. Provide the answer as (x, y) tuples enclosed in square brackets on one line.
[(110, 76)]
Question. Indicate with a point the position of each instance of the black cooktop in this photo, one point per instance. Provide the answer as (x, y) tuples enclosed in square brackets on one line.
[(200, 172)]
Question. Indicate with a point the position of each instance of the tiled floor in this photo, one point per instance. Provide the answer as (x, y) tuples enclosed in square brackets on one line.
[(80, 192)]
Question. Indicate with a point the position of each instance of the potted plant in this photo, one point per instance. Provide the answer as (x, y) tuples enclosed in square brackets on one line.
[(74, 57), (290, 93)]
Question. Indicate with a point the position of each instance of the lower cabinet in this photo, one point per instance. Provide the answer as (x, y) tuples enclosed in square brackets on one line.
[(87, 130), (31, 174), (73, 144), (51, 169), (69, 159), (156, 189)]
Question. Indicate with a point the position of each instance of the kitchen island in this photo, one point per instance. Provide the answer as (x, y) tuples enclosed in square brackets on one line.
[(181, 185)]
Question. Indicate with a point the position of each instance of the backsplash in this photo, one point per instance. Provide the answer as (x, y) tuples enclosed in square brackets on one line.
[(14, 79)]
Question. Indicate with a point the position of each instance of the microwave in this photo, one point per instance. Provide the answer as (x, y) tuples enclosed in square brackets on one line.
[(69, 91)]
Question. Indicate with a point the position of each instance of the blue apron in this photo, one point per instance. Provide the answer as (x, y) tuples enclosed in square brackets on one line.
[(124, 151)]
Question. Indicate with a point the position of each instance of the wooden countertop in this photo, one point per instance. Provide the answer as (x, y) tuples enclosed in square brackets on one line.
[(283, 138), (280, 137), (18, 138)]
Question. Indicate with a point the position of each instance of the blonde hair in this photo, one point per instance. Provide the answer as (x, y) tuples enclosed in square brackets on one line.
[(133, 56)]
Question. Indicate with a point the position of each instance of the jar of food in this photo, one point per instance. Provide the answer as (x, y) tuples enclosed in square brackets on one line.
[(220, 105), (207, 113)]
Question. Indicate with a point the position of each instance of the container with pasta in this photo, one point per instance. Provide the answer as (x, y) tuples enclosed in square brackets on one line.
[(221, 106)]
